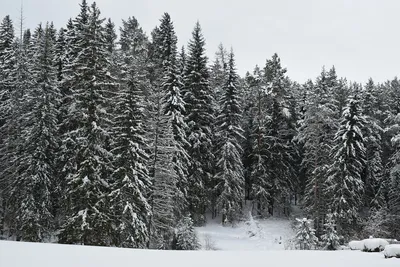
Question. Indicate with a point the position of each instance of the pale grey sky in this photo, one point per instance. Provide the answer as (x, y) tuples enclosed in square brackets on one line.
[(360, 37)]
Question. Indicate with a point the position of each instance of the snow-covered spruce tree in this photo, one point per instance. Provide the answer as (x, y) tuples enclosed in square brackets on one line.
[(173, 107), (131, 182), (218, 76), (185, 235), (305, 235), (229, 168), (247, 126), (31, 190), (345, 186), (258, 173), (199, 118), (168, 162), (330, 238), (6, 61), (316, 133), (69, 120), (373, 172), (88, 215), (394, 176), (280, 149), (13, 109)]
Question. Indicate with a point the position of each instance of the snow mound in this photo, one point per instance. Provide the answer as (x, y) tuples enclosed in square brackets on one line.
[(374, 244), (392, 251), (356, 245)]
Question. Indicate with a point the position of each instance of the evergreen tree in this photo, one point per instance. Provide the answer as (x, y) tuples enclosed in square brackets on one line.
[(279, 152), (260, 182), (229, 176), (131, 184), (32, 188), (305, 235), (345, 186), (373, 172), (88, 215), (199, 118), (316, 133), (185, 235), (169, 159), (174, 108), (394, 178), (17, 80), (330, 237), (6, 65)]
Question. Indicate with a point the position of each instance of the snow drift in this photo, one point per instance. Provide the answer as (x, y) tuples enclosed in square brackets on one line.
[(374, 244), (392, 251)]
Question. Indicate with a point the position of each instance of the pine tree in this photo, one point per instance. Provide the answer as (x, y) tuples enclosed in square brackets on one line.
[(185, 235), (166, 132), (229, 176), (345, 186), (394, 177), (6, 64), (260, 182), (16, 82), (131, 182), (279, 152), (174, 108), (88, 215), (305, 235), (199, 118), (69, 120), (316, 133), (373, 172), (330, 237), (32, 189)]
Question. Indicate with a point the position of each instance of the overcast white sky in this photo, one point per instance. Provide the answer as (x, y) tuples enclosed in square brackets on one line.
[(360, 37)]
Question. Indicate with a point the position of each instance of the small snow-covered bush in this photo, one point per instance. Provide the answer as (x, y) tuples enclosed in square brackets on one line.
[(185, 235), (374, 244), (305, 234), (356, 245), (330, 238), (253, 227), (392, 251), (209, 243)]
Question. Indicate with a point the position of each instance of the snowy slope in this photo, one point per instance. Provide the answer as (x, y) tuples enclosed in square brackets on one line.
[(270, 234), (18, 254)]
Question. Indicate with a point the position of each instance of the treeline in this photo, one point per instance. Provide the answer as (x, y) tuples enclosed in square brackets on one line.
[(130, 142)]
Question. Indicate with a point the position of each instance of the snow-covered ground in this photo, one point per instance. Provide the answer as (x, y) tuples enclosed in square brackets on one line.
[(269, 234), (18, 254)]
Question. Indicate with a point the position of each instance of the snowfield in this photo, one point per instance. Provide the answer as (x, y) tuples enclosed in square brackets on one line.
[(270, 234), (19, 254)]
